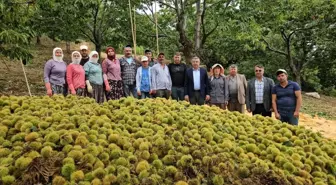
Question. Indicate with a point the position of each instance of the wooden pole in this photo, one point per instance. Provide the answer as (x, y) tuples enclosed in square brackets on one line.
[(24, 72), (134, 33), (130, 10), (156, 27)]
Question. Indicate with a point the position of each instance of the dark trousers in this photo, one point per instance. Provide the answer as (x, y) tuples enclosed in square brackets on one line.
[(144, 95), (196, 99), (178, 93), (162, 93), (260, 109)]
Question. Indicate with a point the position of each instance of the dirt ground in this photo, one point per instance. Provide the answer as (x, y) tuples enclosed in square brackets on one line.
[(317, 114)]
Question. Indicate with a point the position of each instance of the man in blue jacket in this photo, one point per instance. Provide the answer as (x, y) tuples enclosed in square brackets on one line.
[(196, 85)]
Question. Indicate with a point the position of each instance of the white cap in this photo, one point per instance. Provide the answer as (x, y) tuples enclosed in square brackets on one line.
[(82, 47), (144, 58)]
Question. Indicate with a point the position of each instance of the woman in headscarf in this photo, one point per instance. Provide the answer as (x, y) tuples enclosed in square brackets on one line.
[(111, 68), (219, 91), (94, 78), (76, 75), (54, 73)]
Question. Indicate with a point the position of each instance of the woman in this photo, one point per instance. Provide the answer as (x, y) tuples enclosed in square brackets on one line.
[(111, 68), (219, 91), (76, 75), (54, 73), (94, 78)]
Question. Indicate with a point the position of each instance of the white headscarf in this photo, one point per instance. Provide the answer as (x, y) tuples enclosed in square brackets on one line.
[(94, 53), (56, 58), (75, 60)]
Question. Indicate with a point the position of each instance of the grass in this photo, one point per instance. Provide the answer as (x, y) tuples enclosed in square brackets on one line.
[(12, 82)]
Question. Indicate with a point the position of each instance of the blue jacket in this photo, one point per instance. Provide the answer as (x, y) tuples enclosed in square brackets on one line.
[(139, 77), (189, 83)]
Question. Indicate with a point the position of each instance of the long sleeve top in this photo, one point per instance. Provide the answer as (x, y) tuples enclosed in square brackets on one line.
[(94, 73), (112, 69), (75, 76), (139, 78), (54, 72), (160, 77)]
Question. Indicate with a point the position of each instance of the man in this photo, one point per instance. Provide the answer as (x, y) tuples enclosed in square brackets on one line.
[(286, 99), (237, 90), (161, 81), (128, 67), (196, 84), (148, 54), (177, 72), (259, 93), (84, 52), (143, 79)]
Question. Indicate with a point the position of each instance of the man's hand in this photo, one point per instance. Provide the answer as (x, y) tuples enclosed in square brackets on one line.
[(169, 92), (207, 97), (153, 91), (186, 98), (296, 114), (139, 93), (249, 110), (277, 115)]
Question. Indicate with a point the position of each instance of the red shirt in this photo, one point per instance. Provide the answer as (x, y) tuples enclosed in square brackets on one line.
[(75, 76)]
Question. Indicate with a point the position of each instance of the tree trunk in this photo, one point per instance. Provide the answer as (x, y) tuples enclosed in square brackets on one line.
[(68, 49), (38, 40), (98, 49), (297, 77), (198, 25), (187, 45)]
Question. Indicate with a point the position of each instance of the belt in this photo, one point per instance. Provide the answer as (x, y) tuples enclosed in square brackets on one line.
[(197, 90)]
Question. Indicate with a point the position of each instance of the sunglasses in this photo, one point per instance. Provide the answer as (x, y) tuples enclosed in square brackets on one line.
[(257, 70)]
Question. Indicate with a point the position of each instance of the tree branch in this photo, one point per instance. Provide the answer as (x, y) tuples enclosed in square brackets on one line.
[(88, 36), (206, 35), (274, 50), (167, 5)]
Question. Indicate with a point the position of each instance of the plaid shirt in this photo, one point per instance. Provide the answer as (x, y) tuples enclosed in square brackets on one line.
[(128, 71), (259, 91)]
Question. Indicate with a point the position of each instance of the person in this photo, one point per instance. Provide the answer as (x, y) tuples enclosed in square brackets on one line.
[(76, 75), (143, 79), (259, 93), (219, 89), (177, 72), (286, 99), (84, 52), (161, 81), (94, 78), (196, 84), (148, 54), (54, 73), (111, 68), (128, 66), (237, 90)]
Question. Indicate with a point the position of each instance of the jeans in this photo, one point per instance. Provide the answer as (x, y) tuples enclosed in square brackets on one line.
[(178, 93), (130, 90), (145, 95), (288, 117)]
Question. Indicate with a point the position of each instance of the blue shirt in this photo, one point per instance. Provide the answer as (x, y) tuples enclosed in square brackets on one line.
[(197, 79), (145, 80), (94, 73), (286, 99), (129, 60)]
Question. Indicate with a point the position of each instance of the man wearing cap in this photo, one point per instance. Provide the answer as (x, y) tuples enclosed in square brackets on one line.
[(177, 72), (128, 66), (84, 52), (286, 99), (196, 84), (148, 54), (161, 81), (237, 89), (259, 93), (143, 79)]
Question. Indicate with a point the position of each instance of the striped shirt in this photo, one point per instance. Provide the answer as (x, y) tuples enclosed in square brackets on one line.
[(259, 91)]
